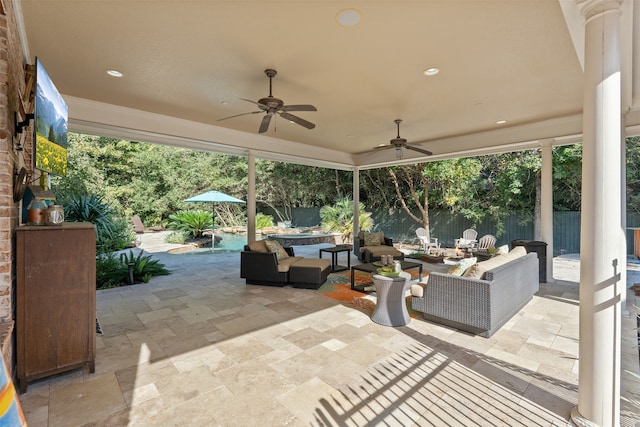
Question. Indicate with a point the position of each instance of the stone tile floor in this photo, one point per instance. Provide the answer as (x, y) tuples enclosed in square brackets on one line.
[(201, 348)]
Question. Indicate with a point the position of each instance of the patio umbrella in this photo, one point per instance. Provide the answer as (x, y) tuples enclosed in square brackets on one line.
[(213, 197)]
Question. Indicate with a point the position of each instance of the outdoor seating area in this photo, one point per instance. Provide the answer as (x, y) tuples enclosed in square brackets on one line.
[(201, 345)]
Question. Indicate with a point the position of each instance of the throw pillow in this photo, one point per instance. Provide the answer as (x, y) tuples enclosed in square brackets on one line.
[(275, 247), (459, 268), (372, 239), (504, 249), (455, 270)]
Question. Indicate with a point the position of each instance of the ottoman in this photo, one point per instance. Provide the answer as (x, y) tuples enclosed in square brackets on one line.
[(309, 273), (372, 253)]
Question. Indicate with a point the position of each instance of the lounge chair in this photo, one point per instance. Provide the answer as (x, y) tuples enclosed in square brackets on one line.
[(425, 241), (487, 241), (138, 226), (468, 239)]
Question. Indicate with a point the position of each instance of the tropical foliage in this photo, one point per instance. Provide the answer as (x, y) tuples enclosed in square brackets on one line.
[(128, 269), (339, 218), (263, 221), (152, 181), (112, 232), (192, 222)]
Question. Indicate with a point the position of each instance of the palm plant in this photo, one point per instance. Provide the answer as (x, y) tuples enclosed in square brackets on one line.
[(339, 218), (193, 222), (112, 233)]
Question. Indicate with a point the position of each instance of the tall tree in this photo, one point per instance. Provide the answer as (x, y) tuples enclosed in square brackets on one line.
[(412, 189)]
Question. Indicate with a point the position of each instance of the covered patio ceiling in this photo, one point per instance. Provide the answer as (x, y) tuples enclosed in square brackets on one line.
[(186, 64)]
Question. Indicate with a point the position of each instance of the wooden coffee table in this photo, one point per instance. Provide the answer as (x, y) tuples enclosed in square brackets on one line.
[(373, 267)]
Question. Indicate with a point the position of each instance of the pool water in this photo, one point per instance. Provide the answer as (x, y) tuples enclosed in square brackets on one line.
[(231, 242)]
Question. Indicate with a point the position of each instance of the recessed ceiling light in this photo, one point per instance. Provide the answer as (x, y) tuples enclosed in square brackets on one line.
[(431, 71), (348, 17), (224, 102), (501, 122), (114, 73)]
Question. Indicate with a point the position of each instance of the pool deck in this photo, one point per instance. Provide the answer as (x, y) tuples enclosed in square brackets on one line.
[(199, 347)]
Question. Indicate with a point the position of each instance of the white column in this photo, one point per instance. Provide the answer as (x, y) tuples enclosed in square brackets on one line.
[(251, 197), (356, 208), (623, 212), (546, 208), (602, 255)]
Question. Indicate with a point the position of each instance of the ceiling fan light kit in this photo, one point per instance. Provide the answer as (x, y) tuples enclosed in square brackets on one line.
[(272, 106), (399, 143)]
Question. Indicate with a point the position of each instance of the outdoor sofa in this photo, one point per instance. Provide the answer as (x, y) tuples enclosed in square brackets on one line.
[(265, 262), (483, 301)]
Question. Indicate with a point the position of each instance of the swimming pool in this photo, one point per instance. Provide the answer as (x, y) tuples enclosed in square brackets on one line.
[(231, 242)]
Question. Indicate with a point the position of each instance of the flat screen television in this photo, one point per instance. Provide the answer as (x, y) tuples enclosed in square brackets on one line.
[(51, 116)]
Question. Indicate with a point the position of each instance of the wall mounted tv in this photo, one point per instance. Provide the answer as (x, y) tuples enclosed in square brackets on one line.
[(51, 116)]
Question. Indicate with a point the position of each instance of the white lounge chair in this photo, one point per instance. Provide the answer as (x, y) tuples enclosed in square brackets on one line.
[(468, 239), (425, 241)]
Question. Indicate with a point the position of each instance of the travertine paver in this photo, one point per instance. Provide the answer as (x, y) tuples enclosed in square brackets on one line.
[(200, 348)]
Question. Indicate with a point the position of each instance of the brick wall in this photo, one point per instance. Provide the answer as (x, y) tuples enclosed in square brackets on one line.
[(12, 87)]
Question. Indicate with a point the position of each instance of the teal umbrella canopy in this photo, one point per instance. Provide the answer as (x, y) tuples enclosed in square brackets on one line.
[(213, 197)]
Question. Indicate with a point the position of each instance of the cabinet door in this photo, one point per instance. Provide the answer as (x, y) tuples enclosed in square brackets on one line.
[(55, 299)]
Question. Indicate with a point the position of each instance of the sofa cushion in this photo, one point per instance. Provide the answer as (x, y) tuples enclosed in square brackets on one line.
[(376, 251), (285, 264), (275, 247), (517, 252), (417, 289), (258, 246), (373, 239), (477, 270)]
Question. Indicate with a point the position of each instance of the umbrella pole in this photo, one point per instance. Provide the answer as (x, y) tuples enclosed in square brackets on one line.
[(213, 226)]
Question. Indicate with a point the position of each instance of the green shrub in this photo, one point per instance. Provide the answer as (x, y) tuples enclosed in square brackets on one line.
[(112, 271), (263, 221), (178, 237), (193, 222)]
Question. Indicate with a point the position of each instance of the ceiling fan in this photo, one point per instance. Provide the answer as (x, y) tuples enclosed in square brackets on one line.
[(400, 143), (272, 105)]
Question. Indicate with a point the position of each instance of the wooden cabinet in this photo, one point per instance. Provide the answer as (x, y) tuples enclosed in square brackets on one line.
[(55, 300)]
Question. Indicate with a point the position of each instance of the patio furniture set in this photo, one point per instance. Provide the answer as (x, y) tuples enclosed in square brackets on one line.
[(479, 298)]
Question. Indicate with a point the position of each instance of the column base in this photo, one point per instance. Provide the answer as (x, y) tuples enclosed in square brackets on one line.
[(577, 420)]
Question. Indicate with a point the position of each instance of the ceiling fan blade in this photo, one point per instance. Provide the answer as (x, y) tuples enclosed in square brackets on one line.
[(419, 150), (299, 108), (296, 119), (238, 115), (382, 147), (264, 125)]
